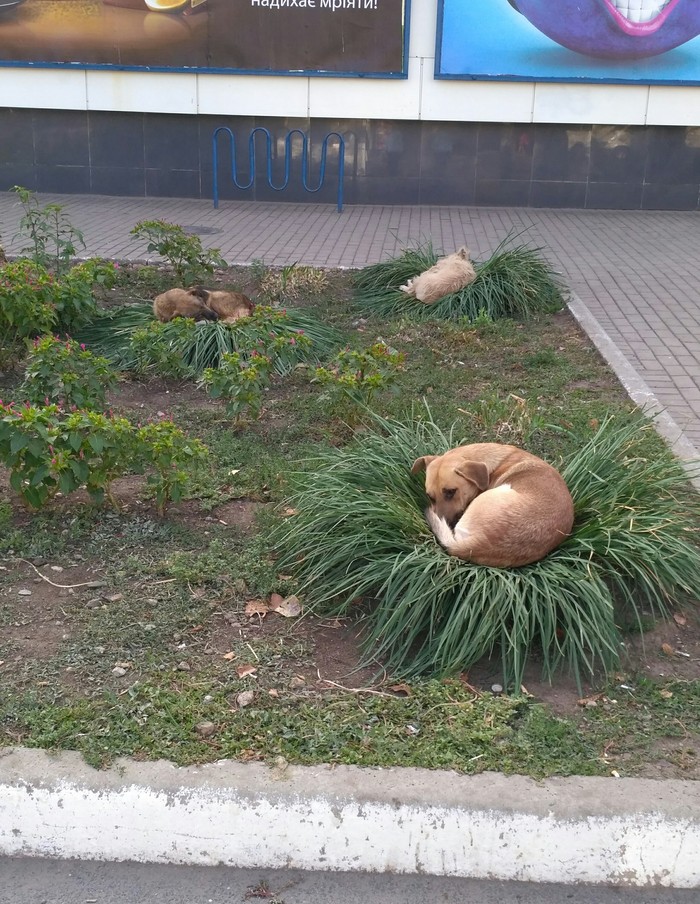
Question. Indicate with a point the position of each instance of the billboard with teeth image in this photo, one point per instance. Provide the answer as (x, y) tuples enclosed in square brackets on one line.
[(650, 41)]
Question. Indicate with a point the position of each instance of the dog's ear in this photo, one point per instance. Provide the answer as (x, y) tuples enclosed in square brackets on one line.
[(199, 292), (464, 253), (474, 471), (420, 464)]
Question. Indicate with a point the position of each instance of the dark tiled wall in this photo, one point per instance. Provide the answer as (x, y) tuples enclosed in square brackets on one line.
[(387, 162)]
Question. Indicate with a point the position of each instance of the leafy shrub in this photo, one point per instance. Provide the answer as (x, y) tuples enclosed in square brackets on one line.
[(62, 372), (52, 237), (357, 375), (27, 300), (241, 382), (34, 301), (191, 262), (514, 282), (75, 298), (48, 450), (359, 532)]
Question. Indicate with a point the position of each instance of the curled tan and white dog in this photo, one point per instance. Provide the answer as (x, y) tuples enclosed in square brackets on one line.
[(495, 505), (228, 306), (448, 275), (181, 303)]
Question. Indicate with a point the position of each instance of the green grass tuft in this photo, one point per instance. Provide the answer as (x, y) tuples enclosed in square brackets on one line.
[(205, 344), (359, 535), (514, 282)]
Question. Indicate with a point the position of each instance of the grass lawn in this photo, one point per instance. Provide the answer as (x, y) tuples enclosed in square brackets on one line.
[(124, 633)]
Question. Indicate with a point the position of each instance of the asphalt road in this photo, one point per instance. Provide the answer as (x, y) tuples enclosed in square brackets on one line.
[(31, 881)]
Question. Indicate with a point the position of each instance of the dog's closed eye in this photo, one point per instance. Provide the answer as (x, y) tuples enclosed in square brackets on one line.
[(449, 494)]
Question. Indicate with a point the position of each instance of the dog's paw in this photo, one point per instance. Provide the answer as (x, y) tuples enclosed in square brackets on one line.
[(408, 288)]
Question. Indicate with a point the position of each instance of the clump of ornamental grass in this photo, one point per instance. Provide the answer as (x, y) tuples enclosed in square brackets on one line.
[(516, 281), (198, 346), (360, 545)]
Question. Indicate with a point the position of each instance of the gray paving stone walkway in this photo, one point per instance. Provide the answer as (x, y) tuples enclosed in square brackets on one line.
[(635, 275)]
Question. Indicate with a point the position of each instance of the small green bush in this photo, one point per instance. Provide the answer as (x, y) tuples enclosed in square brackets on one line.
[(48, 450), (34, 301), (191, 262), (53, 239), (360, 534), (356, 376), (59, 371), (27, 301), (241, 382), (514, 282)]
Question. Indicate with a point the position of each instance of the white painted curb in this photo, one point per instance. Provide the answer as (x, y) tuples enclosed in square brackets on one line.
[(631, 832)]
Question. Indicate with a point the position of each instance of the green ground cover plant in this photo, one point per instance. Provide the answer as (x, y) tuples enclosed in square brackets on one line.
[(516, 281), (359, 535)]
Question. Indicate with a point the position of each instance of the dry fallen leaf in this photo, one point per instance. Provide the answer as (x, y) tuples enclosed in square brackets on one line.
[(273, 693), (256, 607), (401, 690), (289, 608), (275, 600), (244, 670), (284, 577), (667, 648), (230, 655), (680, 619), (288, 512), (666, 694)]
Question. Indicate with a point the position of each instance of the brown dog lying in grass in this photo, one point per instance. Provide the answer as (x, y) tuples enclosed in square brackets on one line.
[(495, 505), (181, 303), (448, 275), (199, 303), (229, 306)]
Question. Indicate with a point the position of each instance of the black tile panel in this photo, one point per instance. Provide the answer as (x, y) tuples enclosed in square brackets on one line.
[(17, 137), (171, 141), (116, 139), (172, 183), (386, 162), (118, 180), (618, 154), (61, 138), (558, 194), (614, 196), (671, 197), (66, 180)]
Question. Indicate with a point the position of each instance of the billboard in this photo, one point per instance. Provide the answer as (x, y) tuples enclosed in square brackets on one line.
[(299, 37), (647, 41)]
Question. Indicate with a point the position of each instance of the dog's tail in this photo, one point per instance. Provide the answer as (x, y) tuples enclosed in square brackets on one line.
[(442, 530)]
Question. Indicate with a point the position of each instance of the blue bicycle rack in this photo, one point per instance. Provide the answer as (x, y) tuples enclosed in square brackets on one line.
[(305, 163)]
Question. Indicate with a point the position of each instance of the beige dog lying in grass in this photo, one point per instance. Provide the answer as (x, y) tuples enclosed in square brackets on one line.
[(202, 304), (495, 505), (448, 275)]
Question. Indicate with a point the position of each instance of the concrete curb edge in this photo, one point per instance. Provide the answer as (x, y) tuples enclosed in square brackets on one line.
[(625, 832)]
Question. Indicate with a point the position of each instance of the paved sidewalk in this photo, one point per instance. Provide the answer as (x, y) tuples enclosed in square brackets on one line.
[(635, 275)]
